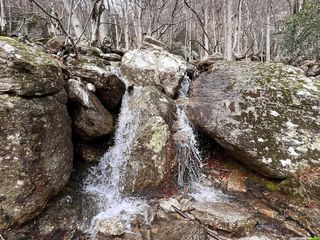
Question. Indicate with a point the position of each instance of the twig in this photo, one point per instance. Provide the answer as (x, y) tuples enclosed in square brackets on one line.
[(209, 231), (60, 25)]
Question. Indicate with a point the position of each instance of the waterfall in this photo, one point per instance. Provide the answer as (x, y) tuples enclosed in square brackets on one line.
[(188, 154), (104, 180), (189, 157)]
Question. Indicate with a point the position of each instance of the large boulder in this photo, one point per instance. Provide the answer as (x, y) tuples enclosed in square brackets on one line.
[(154, 67), (90, 119), (21, 64), (152, 159), (265, 115), (109, 87), (35, 132)]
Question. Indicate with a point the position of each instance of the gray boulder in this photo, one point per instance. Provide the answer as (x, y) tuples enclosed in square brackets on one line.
[(154, 67), (90, 119), (265, 115), (152, 158), (35, 132)]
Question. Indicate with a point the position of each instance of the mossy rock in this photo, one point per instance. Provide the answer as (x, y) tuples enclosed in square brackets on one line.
[(28, 71), (264, 115)]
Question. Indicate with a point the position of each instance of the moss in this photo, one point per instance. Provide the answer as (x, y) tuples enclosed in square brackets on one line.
[(271, 186), (31, 55)]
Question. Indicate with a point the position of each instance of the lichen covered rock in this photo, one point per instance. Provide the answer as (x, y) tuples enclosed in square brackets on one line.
[(28, 71), (152, 157), (90, 119), (35, 154), (265, 115), (154, 67)]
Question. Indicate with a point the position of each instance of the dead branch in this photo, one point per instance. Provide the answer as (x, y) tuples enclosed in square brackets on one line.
[(59, 23)]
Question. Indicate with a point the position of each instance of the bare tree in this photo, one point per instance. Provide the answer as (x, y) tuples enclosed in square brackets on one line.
[(3, 20)]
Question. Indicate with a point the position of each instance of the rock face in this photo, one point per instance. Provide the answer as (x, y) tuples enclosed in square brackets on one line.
[(90, 119), (35, 132), (154, 67), (152, 155), (265, 115), (109, 87)]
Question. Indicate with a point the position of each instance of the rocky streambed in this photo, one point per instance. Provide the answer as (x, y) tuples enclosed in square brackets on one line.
[(256, 126)]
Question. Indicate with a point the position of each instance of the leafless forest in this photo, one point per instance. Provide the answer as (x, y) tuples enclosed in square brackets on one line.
[(235, 28)]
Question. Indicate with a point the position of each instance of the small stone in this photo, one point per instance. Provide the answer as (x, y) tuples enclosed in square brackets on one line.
[(166, 204), (268, 212), (111, 227), (295, 228), (236, 182)]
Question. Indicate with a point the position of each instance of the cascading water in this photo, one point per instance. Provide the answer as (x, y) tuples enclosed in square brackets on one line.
[(104, 180), (189, 157)]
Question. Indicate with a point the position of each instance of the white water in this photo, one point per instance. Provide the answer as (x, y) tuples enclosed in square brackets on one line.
[(189, 157), (104, 180)]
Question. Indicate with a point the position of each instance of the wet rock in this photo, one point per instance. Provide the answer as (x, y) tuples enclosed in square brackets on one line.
[(152, 158), (109, 87), (112, 57), (236, 182), (264, 115), (91, 151), (154, 67), (111, 227), (166, 204), (90, 119), (86, 60), (224, 216), (27, 71), (180, 229)]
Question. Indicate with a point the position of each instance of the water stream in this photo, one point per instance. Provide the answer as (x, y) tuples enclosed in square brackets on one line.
[(104, 181)]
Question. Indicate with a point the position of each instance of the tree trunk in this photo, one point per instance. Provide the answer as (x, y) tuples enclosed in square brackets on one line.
[(268, 41), (95, 22), (205, 36), (75, 21), (3, 20), (229, 56)]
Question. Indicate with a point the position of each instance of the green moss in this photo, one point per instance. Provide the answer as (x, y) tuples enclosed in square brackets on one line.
[(31, 55), (271, 186)]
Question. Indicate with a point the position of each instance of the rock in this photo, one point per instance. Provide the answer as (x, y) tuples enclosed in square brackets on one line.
[(112, 57), (35, 155), (87, 60), (150, 42), (258, 237), (111, 227), (178, 48), (236, 182), (166, 204), (154, 67), (109, 87), (90, 119), (207, 63), (19, 66), (314, 70), (55, 44), (91, 151), (223, 216), (296, 229), (152, 158), (36, 148), (180, 229), (264, 115), (89, 51)]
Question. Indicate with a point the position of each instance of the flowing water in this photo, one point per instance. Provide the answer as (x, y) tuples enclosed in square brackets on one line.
[(104, 180)]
